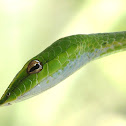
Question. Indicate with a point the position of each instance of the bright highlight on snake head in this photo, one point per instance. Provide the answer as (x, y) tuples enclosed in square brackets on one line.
[(58, 61)]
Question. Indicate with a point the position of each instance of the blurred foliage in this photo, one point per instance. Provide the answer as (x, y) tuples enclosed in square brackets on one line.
[(94, 95)]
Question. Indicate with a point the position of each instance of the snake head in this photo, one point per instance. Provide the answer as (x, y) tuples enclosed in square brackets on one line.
[(22, 83), (41, 72)]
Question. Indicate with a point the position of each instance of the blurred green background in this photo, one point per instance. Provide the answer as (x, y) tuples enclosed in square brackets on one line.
[(93, 96)]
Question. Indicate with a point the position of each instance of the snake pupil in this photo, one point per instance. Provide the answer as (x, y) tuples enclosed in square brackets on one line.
[(34, 68)]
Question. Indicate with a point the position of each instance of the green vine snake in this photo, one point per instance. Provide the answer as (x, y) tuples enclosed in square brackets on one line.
[(60, 60)]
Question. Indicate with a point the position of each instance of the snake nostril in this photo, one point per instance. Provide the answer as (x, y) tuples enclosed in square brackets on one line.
[(8, 94)]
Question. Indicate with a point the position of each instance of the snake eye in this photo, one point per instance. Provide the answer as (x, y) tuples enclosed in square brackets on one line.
[(34, 67)]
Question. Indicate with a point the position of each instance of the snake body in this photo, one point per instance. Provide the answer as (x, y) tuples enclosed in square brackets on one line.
[(60, 60)]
